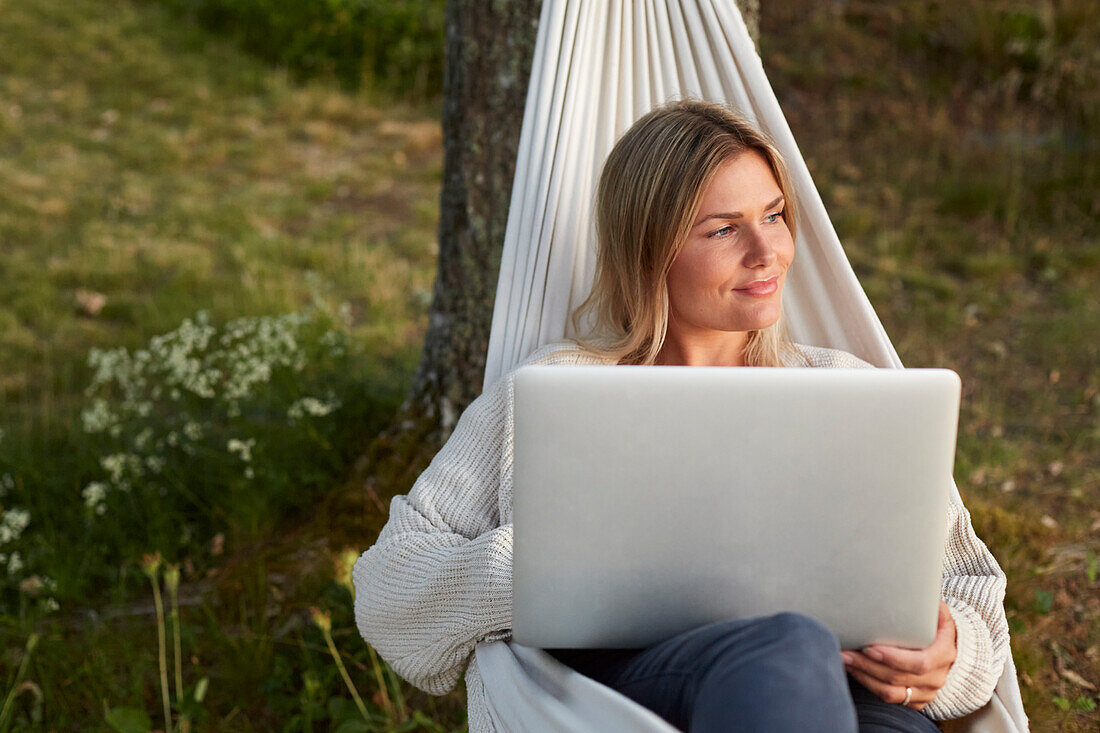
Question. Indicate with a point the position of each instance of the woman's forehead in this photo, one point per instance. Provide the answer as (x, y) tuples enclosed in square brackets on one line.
[(741, 183)]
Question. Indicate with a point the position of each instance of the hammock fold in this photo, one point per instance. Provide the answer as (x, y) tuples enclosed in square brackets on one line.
[(597, 67)]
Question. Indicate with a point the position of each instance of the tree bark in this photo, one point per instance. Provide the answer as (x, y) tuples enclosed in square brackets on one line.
[(489, 48)]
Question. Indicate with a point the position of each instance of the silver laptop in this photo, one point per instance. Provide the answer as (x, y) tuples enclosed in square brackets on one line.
[(649, 500)]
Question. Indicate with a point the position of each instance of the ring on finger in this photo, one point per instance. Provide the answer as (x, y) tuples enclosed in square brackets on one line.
[(908, 696)]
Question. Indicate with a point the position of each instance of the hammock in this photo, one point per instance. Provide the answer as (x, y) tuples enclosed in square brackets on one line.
[(597, 67)]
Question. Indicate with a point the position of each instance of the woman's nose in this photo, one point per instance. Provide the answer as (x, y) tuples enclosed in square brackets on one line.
[(761, 251)]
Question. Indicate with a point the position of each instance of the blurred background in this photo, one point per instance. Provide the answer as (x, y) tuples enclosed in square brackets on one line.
[(218, 238)]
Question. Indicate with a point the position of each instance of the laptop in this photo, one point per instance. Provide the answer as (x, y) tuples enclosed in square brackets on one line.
[(650, 500)]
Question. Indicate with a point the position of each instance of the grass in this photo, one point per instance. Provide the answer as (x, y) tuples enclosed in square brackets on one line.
[(147, 162), (163, 169)]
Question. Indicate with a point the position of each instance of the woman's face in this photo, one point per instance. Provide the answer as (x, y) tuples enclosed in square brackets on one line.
[(739, 238)]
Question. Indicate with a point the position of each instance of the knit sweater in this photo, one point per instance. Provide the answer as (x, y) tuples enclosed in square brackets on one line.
[(439, 578)]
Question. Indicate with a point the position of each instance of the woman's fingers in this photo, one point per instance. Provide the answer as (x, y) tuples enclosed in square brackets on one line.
[(886, 674), (892, 693), (913, 661), (918, 662), (932, 677)]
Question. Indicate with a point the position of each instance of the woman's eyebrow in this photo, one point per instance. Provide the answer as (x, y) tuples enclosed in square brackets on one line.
[(734, 214)]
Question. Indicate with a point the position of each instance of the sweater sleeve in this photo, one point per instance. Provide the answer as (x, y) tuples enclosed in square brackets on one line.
[(439, 578), (974, 590)]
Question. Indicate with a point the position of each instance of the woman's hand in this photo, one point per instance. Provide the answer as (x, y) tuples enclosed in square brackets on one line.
[(888, 670)]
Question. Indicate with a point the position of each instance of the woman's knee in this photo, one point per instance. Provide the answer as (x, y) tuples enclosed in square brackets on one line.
[(779, 641), (808, 635), (787, 646), (779, 635), (784, 671), (795, 650)]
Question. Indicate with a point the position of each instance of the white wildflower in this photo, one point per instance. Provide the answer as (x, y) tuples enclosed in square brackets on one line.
[(155, 464), (119, 464), (15, 563), (50, 605), (193, 430), (113, 464), (98, 417), (12, 524), (311, 406), (141, 440), (174, 353), (243, 447), (95, 495), (249, 372), (249, 473), (106, 363), (173, 438), (7, 483)]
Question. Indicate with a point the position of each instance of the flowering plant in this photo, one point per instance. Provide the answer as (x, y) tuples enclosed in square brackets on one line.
[(210, 428), (13, 572)]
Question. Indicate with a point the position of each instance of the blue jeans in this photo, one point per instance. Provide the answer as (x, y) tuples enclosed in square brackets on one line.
[(773, 673)]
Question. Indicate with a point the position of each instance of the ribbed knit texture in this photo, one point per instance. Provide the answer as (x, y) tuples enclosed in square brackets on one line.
[(439, 578)]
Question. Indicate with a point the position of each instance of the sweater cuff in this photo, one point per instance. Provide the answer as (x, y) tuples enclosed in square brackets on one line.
[(970, 683), (498, 586)]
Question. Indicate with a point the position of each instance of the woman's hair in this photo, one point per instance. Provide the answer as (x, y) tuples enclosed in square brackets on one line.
[(648, 196)]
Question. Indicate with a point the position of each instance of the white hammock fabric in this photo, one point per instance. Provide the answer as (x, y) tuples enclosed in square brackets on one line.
[(598, 66)]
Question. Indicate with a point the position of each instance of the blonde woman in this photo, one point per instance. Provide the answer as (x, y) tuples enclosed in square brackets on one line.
[(695, 217)]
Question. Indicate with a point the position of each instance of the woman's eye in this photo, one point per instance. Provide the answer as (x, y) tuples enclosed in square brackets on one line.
[(718, 233), (772, 217)]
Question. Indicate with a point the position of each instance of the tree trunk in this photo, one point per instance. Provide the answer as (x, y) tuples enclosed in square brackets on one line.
[(489, 48)]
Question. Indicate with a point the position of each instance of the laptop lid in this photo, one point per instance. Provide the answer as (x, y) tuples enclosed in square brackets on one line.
[(649, 500)]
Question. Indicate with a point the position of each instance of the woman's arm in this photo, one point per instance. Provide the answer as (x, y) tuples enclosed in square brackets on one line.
[(439, 578)]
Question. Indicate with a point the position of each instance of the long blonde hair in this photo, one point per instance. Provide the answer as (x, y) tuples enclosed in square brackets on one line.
[(647, 198)]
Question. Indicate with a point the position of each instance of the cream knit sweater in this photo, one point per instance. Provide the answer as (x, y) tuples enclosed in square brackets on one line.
[(439, 578)]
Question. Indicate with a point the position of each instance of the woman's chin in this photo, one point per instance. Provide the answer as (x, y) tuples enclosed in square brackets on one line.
[(760, 318)]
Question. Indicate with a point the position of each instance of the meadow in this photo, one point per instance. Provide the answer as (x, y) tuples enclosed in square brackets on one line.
[(215, 269)]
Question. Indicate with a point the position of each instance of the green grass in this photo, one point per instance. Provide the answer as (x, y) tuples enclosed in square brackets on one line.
[(163, 169), (147, 161)]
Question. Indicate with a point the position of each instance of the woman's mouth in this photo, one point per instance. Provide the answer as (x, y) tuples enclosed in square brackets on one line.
[(760, 289)]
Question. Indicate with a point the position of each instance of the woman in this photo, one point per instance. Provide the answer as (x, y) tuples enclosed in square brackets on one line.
[(696, 224)]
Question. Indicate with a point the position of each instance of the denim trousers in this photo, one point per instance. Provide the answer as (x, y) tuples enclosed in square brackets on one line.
[(772, 673)]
